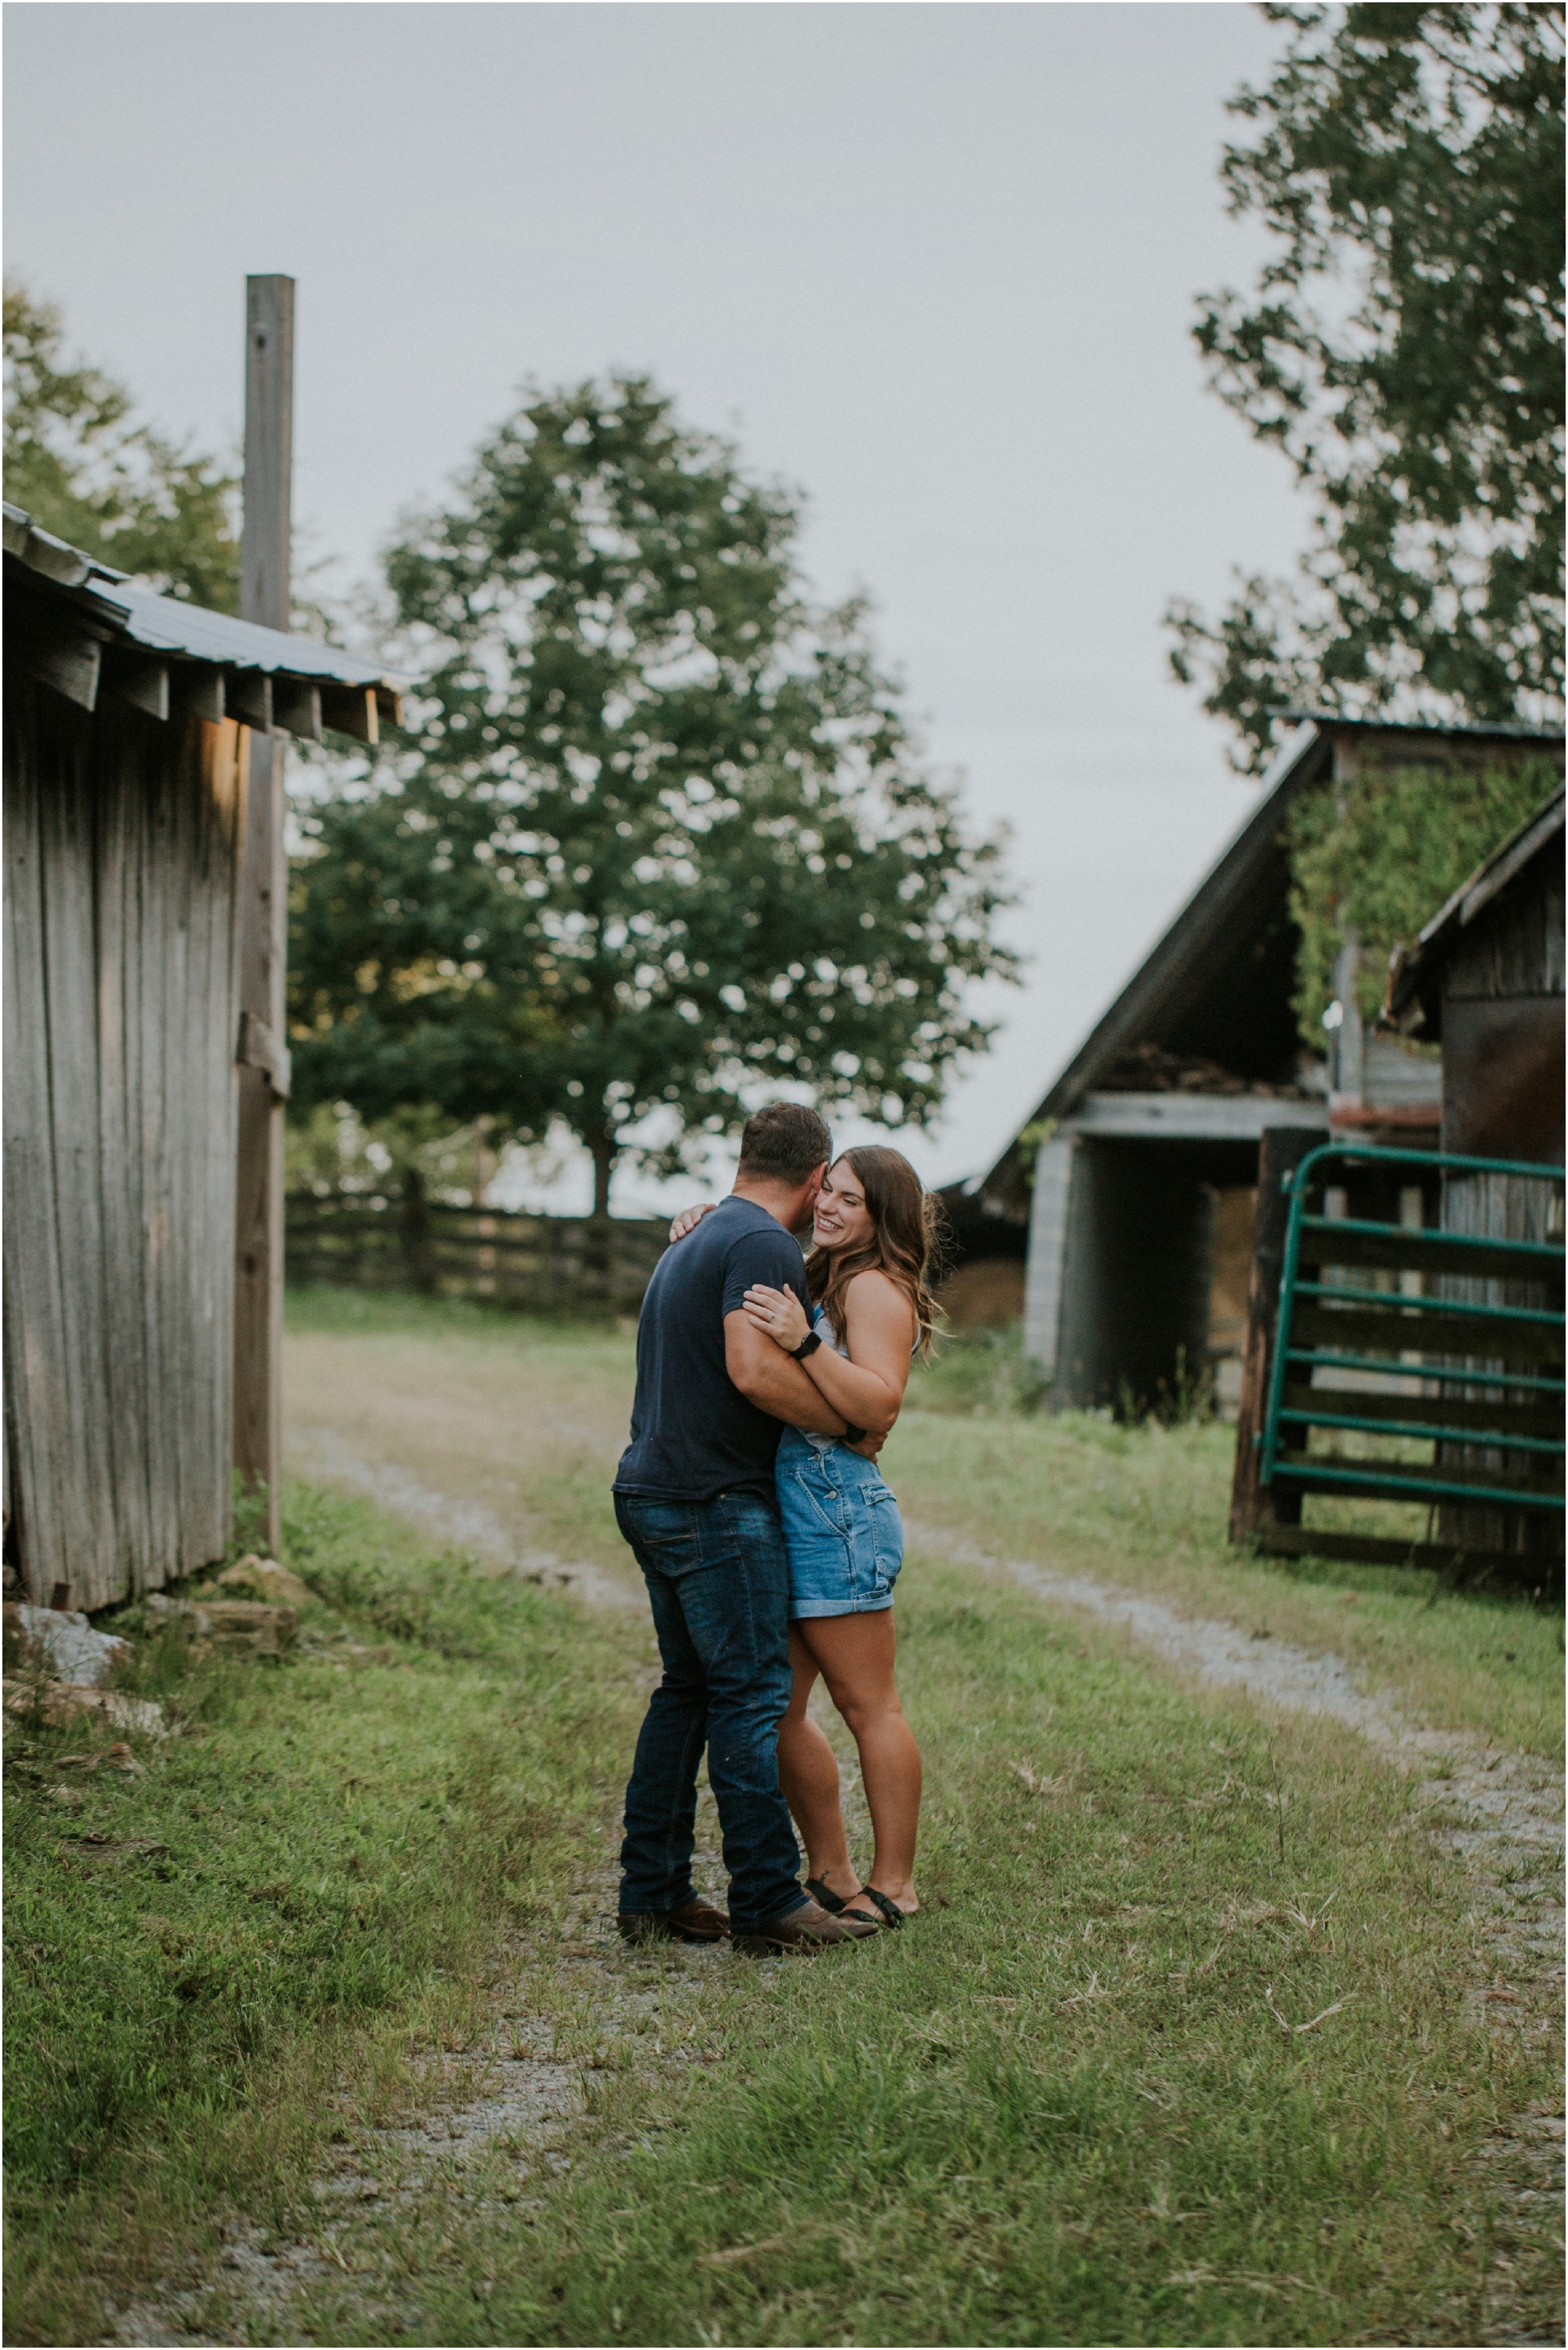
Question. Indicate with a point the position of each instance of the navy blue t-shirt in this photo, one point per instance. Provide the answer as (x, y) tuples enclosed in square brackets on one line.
[(693, 1433)]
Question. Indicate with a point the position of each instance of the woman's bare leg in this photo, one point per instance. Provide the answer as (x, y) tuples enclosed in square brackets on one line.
[(808, 1773), (855, 1655)]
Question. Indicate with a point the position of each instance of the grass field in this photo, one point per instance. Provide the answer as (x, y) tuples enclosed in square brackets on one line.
[(1072, 2105)]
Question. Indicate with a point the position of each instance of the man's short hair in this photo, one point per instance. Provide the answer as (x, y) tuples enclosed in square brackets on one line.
[(784, 1143)]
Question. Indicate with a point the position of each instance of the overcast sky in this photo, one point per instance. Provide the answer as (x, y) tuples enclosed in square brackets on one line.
[(934, 263)]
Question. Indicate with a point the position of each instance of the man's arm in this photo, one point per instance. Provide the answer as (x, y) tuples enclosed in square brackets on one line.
[(767, 1378)]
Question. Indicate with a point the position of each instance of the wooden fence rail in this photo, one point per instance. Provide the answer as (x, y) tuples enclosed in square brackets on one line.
[(536, 1265)]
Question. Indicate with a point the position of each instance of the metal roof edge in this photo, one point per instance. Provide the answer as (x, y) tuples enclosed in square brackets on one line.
[(169, 625), (1505, 731)]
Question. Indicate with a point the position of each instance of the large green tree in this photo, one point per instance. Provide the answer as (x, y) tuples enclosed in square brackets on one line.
[(1403, 347), (661, 833), (82, 466)]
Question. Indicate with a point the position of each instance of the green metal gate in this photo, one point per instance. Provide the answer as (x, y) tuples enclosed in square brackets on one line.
[(1392, 1337)]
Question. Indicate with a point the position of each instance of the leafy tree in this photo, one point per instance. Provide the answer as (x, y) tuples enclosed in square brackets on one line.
[(1378, 856), (1403, 348), (81, 466), (661, 833)]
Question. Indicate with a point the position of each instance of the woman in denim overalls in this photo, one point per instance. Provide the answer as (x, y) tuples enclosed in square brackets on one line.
[(873, 1236)]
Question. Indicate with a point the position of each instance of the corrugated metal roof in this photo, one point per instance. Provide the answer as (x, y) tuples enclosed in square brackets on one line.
[(120, 611)]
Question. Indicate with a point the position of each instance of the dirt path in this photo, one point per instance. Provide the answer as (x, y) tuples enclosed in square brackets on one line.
[(460, 1458), (490, 2128), (470, 1444), (1512, 1804), (498, 2115)]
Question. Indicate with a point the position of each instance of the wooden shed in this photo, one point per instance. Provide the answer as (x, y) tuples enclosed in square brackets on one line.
[(1485, 981), (1137, 1172), (128, 720)]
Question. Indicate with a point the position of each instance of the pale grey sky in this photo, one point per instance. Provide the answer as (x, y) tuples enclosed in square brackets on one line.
[(936, 264)]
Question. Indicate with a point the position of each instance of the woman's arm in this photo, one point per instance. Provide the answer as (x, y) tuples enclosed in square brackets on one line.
[(869, 1390), (688, 1219)]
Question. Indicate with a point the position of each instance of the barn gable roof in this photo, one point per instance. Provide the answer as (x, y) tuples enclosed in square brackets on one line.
[(84, 629), (1217, 983)]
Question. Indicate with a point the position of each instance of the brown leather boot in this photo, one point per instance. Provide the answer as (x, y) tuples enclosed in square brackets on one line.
[(694, 1921), (804, 1931)]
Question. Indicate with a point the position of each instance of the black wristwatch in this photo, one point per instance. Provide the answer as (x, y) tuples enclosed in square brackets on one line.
[(808, 1345)]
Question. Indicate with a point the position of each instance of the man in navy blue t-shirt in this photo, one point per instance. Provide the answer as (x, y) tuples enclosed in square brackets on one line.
[(694, 1497)]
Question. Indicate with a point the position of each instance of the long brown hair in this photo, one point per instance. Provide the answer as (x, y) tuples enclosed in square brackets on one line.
[(905, 1241)]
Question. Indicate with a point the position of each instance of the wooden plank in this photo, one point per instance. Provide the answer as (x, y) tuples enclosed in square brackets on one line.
[(1188, 1116), (134, 678), (248, 696), (258, 1231), (1463, 1255), (211, 1021), (66, 660), (296, 707), (1533, 1474), (1373, 1550), (1542, 1418), (1470, 1337), (1512, 1208), (261, 915), (68, 859), (351, 710), (266, 548), (1253, 1505), (36, 1400), (159, 1235), (196, 692), (118, 794)]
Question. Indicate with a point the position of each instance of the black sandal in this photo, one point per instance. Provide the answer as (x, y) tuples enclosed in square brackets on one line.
[(836, 1906), (892, 1916)]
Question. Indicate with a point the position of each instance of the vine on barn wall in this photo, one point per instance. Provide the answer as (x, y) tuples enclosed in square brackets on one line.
[(1380, 854)]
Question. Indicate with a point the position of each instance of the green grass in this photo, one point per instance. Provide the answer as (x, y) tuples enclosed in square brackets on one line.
[(1059, 2108), (341, 1842), (1146, 1507)]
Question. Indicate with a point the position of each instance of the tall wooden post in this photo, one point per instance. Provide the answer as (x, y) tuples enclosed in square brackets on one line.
[(265, 554), (1254, 1506)]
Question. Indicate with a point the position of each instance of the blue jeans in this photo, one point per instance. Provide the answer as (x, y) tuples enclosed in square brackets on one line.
[(718, 1578)]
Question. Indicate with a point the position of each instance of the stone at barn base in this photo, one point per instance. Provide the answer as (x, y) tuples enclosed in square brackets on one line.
[(242, 1626), (60, 1702), (69, 1643), (268, 1580)]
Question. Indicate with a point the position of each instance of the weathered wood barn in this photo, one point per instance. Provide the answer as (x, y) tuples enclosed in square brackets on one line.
[(128, 720), (1485, 981), (1137, 1172)]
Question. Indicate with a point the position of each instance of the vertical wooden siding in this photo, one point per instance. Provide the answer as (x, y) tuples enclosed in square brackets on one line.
[(1514, 953), (120, 843)]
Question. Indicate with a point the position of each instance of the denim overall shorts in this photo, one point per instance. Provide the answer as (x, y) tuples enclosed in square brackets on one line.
[(842, 1527)]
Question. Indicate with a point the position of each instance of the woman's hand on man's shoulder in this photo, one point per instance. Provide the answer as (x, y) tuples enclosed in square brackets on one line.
[(688, 1219)]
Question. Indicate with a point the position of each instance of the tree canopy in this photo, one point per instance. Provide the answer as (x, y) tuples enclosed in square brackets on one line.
[(661, 833), (81, 466), (1403, 348)]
